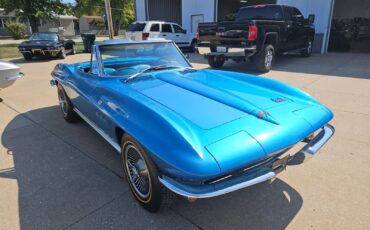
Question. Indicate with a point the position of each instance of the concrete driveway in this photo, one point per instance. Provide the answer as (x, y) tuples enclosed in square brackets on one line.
[(55, 175)]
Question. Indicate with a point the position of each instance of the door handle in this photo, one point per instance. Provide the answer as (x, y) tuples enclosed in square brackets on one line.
[(177, 35), (164, 35)]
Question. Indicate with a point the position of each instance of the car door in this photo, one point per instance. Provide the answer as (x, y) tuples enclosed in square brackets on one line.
[(299, 35), (289, 36), (181, 37), (81, 89), (167, 32)]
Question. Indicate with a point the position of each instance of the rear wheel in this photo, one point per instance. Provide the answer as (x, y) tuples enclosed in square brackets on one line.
[(142, 176), (265, 59), (66, 106), (307, 51), (27, 56), (216, 61)]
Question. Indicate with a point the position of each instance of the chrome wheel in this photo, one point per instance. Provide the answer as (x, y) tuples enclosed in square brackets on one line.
[(137, 171), (63, 103), (268, 59)]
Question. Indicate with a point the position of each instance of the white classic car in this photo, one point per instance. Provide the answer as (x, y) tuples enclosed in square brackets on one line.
[(9, 73)]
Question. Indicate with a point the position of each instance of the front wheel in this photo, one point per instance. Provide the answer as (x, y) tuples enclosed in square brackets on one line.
[(73, 51), (265, 58), (66, 106), (62, 54), (216, 61), (142, 176), (307, 51)]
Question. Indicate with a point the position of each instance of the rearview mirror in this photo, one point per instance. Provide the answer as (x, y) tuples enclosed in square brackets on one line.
[(184, 31), (311, 18)]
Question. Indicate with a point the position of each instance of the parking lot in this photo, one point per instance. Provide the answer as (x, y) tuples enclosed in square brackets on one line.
[(56, 175)]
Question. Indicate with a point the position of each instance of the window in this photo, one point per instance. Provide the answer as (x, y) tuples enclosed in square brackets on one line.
[(1, 23), (136, 27), (262, 12), (287, 14), (154, 28), (94, 65), (177, 28), (166, 28)]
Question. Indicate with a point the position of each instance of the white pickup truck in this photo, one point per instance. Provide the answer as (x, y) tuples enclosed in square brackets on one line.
[(142, 30)]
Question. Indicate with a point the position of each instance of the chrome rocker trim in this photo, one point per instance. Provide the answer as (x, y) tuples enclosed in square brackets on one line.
[(98, 130), (310, 149)]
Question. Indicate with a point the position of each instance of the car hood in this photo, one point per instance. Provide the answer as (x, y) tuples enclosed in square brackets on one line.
[(240, 118), (212, 98), (38, 43)]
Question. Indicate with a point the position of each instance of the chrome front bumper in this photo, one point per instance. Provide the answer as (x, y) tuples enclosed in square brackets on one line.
[(233, 184)]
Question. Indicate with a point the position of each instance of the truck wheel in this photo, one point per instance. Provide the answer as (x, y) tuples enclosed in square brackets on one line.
[(216, 61), (307, 51), (27, 56), (265, 59), (66, 106), (62, 53), (142, 176), (192, 46)]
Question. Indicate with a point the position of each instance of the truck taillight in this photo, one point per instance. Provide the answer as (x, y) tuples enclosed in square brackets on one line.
[(252, 33), (198, 36), (145, 36)]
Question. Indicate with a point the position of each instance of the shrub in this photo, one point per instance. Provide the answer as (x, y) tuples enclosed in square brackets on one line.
[(16, 29)]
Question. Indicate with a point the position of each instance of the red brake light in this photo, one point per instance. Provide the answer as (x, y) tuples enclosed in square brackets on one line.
[(145, 36), (198, 36), (252, 33)]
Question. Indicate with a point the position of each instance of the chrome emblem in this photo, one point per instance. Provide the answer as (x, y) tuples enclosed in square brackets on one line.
[(278, 99)]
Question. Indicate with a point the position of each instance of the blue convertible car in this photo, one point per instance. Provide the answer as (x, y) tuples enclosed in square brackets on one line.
[(180, 130)]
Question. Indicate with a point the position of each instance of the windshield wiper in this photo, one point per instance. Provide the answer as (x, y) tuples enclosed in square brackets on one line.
[(158, 67)]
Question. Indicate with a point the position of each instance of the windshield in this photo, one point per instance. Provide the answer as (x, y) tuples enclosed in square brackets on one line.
[(138, 26), (130, 59), (44, 36)]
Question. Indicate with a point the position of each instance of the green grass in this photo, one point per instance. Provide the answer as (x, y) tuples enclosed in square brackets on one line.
[(11, 50)]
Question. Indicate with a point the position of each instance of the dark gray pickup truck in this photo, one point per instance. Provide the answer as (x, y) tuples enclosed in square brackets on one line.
[(258, 33)]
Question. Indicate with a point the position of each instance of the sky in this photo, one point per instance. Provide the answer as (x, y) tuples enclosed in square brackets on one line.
[(69, 1)]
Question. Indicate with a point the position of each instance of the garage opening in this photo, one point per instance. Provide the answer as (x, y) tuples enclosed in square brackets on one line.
[(227, 9), (350, 26), (165, 10)]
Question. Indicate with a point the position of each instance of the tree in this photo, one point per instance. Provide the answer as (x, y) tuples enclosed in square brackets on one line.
[(122, 11), (33, 11)]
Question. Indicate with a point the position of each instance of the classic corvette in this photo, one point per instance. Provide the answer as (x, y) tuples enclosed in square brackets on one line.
[(47, 44), (193, 132), (9, 73)]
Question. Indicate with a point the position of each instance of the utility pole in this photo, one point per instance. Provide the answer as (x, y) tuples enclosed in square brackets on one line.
[(108, 12)]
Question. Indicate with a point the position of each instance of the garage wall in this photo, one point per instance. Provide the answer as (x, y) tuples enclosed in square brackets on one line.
[(344, 9), (140, 10), (197, 7), (322, 11)]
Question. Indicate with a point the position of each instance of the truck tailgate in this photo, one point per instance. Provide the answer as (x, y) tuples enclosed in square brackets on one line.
[(224, 32)]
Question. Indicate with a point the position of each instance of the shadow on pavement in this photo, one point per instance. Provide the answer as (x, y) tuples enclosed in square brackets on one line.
[(68, 176), (353, 65)]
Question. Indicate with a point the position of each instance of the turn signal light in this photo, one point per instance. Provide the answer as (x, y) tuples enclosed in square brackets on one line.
[(252, 33)]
